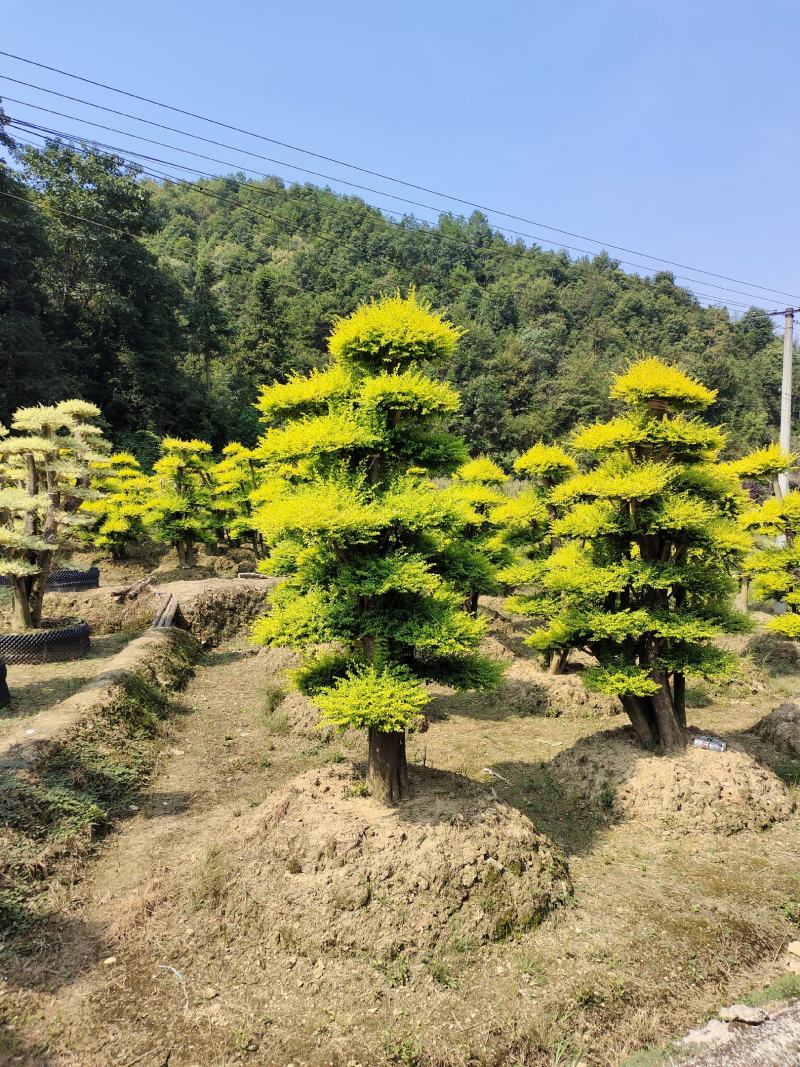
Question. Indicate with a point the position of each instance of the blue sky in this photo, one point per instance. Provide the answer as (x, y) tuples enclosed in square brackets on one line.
[(664, 127)]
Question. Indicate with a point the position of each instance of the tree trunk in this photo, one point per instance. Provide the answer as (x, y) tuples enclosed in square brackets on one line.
[(5, 696), (185, 550), (558, 661), (679, 697), (672, 736), (38, 587), (640, 712), (743, 596), (472, 604), (21, 617), (387, 770)]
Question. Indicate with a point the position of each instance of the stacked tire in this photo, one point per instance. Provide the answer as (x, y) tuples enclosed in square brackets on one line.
[(69, 581), (46, 646)]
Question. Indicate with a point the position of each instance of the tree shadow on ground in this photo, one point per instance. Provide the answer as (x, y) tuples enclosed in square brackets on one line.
[(441, 796), (157, 805), (52, 952), (513, 697), (20, 1052), (553, 808), (34, 697), (185, 574), (220, 657)]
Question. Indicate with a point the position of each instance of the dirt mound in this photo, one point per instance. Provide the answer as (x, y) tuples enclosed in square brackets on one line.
[(529, 690), (720, 792), (279, 660), (330, 870), (104, 613), (213, 615), (774, 653), (781, 728), (300, 712)]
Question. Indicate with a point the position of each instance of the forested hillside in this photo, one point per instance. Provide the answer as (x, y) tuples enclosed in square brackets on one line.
[(168, 304)]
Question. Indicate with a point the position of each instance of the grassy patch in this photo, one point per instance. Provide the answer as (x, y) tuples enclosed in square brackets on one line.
[(276, 722), (209, 887), (788, 771), (784, 988), (54, 810)]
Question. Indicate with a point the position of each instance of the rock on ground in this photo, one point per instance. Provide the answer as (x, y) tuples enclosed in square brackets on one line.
[(774, 1043)]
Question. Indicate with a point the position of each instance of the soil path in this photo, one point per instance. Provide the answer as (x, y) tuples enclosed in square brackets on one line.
[(223, 759)]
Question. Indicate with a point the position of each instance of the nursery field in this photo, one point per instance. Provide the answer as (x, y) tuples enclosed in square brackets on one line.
[(381, 755), (215, 926)]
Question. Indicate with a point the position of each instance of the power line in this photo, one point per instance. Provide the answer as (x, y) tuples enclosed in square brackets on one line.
[(713, 298), (198, 155), (172, 179), (113, 148), (379, 174)]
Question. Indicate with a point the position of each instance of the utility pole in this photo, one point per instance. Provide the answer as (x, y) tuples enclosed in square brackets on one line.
[(786, 394), (786, 391)]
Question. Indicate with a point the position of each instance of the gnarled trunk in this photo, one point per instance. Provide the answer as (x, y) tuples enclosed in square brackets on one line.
[(640, 712), (387, 770), (185, 551), (672, 736), (659, 721)]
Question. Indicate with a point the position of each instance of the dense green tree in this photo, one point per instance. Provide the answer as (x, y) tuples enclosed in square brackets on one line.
[(117, 509), (206, 321), (526, 522), (380, 547), (179, 507), (773, 567), (642, 577), (234, 281), (24, 348), (261, 343)]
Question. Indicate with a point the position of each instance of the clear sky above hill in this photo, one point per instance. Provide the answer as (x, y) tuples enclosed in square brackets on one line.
[(669, 128)]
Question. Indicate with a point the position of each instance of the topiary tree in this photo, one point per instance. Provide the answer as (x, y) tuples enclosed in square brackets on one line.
[(179, 507), (477, 484), (648, 538), (525, 520), (377, 547), (118, 508), (44, 478), (235, 479), (773, 568)]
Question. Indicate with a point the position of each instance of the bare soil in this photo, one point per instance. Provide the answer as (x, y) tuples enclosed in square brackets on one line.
[(207, 931)]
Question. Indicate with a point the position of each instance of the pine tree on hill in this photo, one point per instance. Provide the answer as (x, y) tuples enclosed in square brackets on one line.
[(377, 546)]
